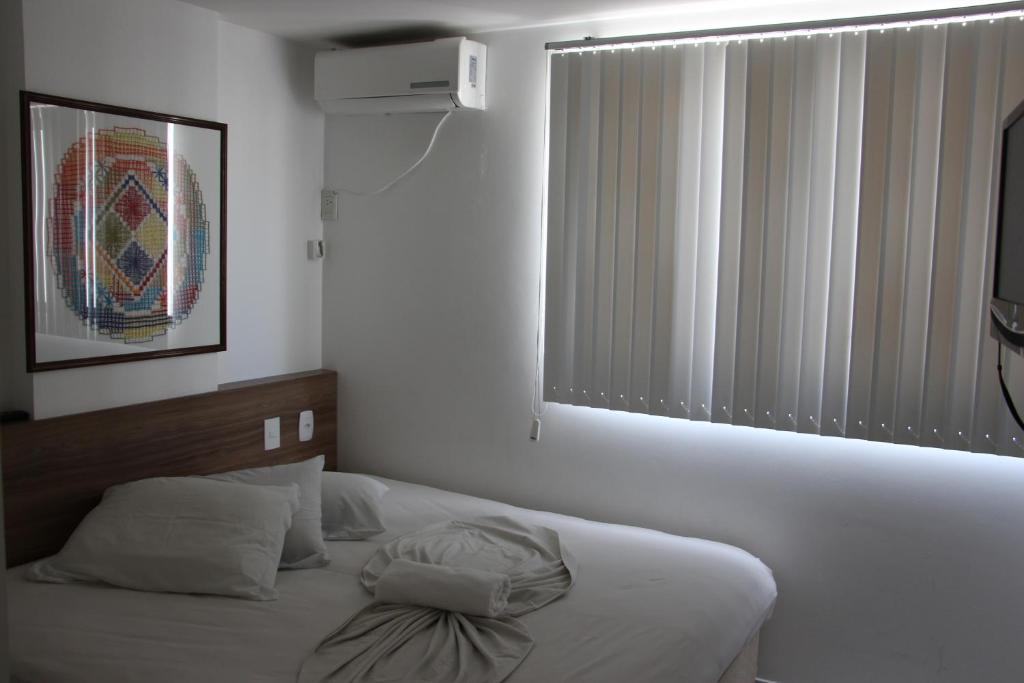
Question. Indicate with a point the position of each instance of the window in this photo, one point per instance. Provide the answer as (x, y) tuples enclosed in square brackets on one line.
[(789, 231)]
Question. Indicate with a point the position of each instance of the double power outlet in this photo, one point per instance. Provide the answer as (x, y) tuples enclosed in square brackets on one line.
[(272, 430)]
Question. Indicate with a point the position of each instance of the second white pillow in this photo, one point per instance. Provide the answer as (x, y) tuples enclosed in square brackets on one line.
[(351, 506), (303, 546)]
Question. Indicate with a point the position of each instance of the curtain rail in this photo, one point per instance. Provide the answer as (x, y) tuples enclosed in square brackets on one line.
[(972, 10)]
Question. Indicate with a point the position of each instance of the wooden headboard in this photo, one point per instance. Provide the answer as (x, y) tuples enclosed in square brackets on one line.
[(56, 470)]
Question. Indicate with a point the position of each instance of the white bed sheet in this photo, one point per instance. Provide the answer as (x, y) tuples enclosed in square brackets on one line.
[(646, 607)]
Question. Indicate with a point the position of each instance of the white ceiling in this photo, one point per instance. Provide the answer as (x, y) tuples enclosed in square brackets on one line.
[(365, 21)]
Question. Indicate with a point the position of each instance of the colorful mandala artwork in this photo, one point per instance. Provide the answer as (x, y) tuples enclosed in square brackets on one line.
[(123, 268)]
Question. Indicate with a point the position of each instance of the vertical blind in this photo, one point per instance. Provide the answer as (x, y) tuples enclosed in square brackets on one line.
[(787, 232)]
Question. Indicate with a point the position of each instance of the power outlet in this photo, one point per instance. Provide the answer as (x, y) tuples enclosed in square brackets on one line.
[(306, 425), (328, 205), (271, 433)]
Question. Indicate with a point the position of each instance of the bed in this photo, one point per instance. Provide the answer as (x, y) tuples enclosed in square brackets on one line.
[(647, 606)]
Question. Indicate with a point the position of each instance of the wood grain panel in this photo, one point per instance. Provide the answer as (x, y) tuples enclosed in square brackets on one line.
[(56, 470)]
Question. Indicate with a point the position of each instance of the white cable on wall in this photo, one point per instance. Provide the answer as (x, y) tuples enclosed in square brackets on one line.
[(393, 182)]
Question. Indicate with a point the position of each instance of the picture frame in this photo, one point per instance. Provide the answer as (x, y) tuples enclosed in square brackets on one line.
[(125, 233)]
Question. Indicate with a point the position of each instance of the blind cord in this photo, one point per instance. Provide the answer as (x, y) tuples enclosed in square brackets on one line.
[(538, 407), (423, 157), (1006, 390)]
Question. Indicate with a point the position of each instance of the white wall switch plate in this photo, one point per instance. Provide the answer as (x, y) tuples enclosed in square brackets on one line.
[(328, 205), (271, 433), (306, 425)]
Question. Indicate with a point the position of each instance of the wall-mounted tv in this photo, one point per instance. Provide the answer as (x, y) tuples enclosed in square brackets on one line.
[(1007, 305)]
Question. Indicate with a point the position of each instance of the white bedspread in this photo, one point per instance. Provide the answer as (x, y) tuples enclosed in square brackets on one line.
[(646, 607)]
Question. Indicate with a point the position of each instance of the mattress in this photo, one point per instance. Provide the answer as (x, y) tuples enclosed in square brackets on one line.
[(647, 607)]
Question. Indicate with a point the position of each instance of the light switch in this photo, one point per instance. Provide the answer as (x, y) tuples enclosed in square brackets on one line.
[(305, 425), (271, 433)]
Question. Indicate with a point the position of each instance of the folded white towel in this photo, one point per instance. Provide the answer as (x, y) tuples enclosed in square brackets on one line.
[(456, 589)]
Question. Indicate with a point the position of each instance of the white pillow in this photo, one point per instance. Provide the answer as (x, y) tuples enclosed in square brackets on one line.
[(303, 546), (179, 535), (351, 504)]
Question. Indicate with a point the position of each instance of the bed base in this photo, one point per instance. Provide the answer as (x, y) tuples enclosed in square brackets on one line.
[(744, 668)]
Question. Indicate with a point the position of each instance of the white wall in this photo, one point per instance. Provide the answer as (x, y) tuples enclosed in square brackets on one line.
[(895, 564), (176, 58), (275, 173), (145, 55)]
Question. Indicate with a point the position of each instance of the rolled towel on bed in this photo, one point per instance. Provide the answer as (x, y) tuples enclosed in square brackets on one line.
[(457, 589)]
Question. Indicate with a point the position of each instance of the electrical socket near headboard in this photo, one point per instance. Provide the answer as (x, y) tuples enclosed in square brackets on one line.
[(55, 470)]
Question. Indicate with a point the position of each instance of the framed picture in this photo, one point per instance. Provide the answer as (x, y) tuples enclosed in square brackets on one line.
[(125, 233)]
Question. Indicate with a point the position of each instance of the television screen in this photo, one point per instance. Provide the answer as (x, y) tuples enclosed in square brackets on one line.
[(1009, 283)]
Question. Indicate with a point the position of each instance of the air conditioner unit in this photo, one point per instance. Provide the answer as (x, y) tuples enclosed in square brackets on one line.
[(440, 75)]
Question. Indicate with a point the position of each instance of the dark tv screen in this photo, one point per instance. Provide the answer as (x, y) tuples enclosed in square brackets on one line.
[(1009, 285)]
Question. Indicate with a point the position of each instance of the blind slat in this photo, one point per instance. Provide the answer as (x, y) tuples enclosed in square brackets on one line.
[(917, 268), (625, 229), (769, 339), (709, 199), (972, 309), (845, 195), (685, 277), (608, 209), (574, 158), (820, 213), (877, 132), (588, 141), (796, 226), (947, 257), (758, 114), (896, 192), (555, 317), (661, 344), (730, 233), (646, 235)]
